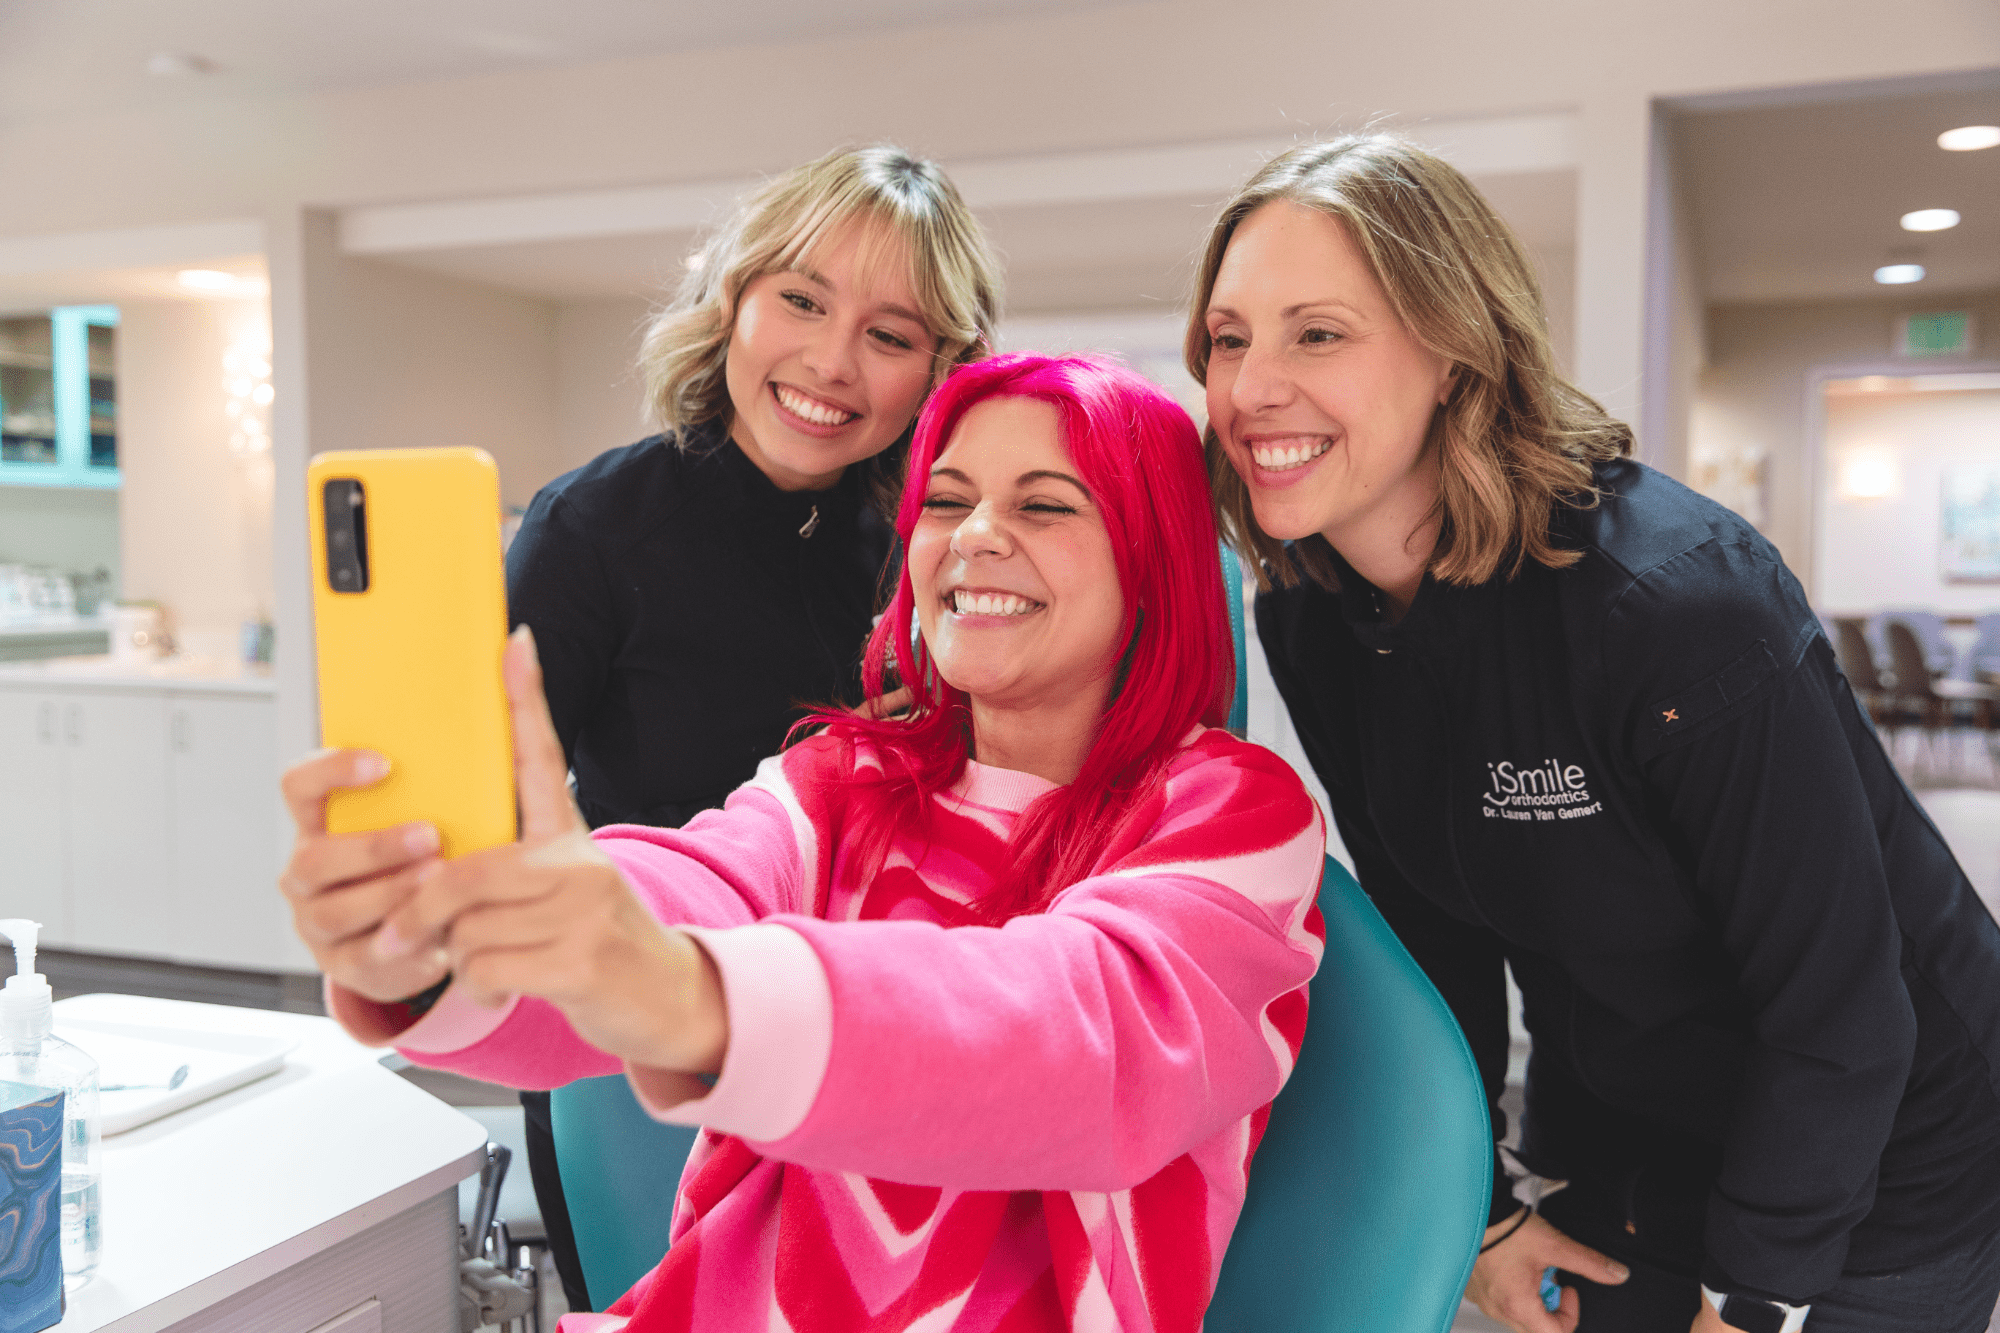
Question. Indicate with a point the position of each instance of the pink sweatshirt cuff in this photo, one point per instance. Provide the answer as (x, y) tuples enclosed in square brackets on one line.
[(453, 1023), (780, 1036)]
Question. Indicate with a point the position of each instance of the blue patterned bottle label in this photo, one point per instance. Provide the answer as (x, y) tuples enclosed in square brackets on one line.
[(31, 1275)]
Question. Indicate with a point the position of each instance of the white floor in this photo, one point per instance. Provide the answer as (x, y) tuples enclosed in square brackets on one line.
[(1970, 821)]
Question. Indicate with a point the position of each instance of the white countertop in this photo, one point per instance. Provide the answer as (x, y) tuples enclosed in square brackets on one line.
[(180, 672), (52, 623), (205, 1203)]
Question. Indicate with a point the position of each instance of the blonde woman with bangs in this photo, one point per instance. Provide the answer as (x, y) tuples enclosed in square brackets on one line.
[(1580, 723), (690, 593)]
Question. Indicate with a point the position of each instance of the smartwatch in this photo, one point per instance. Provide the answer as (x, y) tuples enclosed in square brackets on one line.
[(1753, 1314)]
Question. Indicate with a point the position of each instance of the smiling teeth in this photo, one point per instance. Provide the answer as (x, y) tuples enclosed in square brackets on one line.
[(812, 410), (1279, 460), (992, 604)]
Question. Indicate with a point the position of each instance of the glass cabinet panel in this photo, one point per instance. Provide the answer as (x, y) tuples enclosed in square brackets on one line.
[(103, 396), (27, 392), (59, 398)]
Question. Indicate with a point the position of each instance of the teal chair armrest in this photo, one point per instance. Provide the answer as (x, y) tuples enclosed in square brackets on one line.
[(621, 1170), (1369, 1192)]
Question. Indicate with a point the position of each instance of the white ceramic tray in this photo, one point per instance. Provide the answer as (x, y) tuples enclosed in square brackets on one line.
[(217, 1062)]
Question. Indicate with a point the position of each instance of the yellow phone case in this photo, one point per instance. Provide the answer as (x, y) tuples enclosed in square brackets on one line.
[(409, 666)]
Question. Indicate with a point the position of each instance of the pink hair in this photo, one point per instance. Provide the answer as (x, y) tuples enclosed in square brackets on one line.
[(1141, 457)]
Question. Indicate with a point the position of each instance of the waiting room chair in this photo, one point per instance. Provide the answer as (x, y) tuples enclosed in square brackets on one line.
[(1366, 1201), (1931, 696), (1940, 657), (1984, 656), (1861, 667)]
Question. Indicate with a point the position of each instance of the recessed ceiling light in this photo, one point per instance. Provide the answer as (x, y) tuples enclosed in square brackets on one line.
[(1930, 219), (1969, 138), (1892, 274), (206, 279)]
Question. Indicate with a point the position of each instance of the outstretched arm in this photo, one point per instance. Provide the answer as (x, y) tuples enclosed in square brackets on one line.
[(1150, 1008), (543, 938)]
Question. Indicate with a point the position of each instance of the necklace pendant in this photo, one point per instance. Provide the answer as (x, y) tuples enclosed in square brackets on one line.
[(811, 525)]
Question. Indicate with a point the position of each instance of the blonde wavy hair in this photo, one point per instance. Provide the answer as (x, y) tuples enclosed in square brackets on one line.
[(953, 274), (1514, 439)]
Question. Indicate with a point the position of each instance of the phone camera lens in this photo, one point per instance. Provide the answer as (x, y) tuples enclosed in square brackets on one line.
[(346, 535)]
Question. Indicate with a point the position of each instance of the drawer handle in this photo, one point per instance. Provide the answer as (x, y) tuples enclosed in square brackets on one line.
[(178, 731), (74, 728), (45, 724)]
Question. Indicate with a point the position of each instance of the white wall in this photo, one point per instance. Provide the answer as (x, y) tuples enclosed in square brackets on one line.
[(1882, 552), (598, 397), (1149, 342), (75, 531), (1166, 72), (196, 519), (1752, 399), (1177, 71), (401, 358)]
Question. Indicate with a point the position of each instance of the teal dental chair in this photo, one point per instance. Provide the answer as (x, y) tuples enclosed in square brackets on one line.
[(1367, 1198)]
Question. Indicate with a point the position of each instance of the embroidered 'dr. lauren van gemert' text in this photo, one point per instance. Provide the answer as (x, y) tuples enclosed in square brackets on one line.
[(1541, 792)]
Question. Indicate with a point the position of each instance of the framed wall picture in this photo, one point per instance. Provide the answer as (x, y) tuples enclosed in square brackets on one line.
[(1969, 524)]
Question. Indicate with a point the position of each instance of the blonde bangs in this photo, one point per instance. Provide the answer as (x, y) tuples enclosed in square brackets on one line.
[(909, 212)]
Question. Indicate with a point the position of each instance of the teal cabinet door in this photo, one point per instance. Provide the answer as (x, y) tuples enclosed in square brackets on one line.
[(59, 398)]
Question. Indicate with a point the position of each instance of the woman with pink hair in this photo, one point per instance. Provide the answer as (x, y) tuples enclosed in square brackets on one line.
[(981, 1008)]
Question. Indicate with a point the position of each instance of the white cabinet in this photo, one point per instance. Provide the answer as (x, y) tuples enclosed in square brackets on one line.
[(32, 837), (145, 819), (223, 792), (114, 792)]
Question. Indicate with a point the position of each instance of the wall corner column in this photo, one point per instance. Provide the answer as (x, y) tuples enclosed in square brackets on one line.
[(297, 240), (1614, 153)]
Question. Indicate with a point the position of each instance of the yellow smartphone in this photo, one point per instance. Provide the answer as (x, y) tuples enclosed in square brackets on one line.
[(410, 615)]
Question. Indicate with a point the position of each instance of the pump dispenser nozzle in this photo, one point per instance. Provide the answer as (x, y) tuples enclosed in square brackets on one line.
[(25, 1015)]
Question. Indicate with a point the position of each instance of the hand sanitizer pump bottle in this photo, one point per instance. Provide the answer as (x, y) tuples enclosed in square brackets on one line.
[(32, 1054)]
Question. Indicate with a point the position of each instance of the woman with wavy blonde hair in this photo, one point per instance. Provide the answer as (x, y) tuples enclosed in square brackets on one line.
[(1579, 722), (691, 592)]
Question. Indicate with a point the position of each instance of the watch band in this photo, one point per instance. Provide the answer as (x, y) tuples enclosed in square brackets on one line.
[(1753, 1314), (426, 999)]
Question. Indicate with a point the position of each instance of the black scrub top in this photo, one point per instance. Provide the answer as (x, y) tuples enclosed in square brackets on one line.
[(687, 612), (1763, 996)]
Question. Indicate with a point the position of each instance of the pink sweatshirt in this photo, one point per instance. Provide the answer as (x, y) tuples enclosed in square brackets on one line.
[(927, 1124)]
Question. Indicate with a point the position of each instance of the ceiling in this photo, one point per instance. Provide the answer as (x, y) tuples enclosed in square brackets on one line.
[(1123, 254), (66, 57), (1061, 255), (21, 295), (1802, 202), (1101, 230)]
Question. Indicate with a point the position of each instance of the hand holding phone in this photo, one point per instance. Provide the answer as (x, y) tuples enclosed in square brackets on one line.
[(343, 886), (551, 916)]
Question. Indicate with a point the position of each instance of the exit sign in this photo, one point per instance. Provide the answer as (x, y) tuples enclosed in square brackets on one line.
[(1939, 333)]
